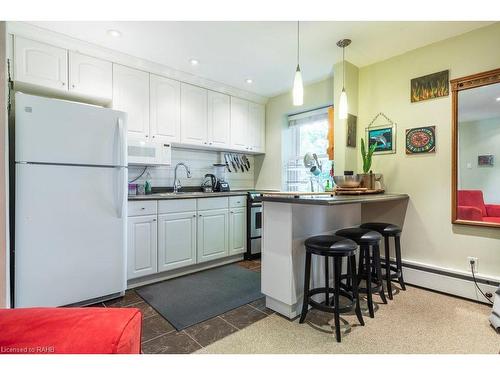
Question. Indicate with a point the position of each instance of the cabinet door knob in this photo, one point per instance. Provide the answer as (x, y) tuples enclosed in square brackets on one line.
[(63, 83), (154, 219), (195, 215), (146, 135), (73, 86)]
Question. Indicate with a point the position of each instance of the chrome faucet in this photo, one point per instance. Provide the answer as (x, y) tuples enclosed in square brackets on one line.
[(177, 182)]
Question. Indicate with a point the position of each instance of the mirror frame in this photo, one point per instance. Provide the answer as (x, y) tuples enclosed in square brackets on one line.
[(459, 84)]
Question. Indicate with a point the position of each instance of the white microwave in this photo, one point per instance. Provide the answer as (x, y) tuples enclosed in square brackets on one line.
[(149, 153)]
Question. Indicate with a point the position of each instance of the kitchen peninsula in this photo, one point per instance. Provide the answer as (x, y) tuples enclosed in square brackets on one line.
[(289, 219)]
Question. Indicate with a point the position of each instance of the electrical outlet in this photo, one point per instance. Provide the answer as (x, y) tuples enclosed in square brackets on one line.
[(473, 261)]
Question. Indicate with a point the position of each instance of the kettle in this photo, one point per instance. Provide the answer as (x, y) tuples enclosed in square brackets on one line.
[(209, 182)]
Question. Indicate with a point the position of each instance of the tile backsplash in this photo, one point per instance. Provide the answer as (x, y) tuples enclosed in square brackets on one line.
[(200, 162)]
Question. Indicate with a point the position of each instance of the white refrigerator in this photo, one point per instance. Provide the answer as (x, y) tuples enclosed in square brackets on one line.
[(70, 202)]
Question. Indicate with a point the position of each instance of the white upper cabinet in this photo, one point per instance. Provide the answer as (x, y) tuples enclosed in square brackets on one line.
[(194, 104), (247, 126), (90, 77), (219, 119), (40, 64), (239, 124), (131, 95), (256, 127), (158, 108), (165, 109)]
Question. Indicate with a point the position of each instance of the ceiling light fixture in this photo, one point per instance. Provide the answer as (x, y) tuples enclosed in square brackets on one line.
[(194, 62), (298, 84), (343, 107), (249, 81), (114, 33), (498, 99)]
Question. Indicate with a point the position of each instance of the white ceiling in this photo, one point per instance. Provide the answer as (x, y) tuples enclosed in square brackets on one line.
[(479, 103), (231, 52)]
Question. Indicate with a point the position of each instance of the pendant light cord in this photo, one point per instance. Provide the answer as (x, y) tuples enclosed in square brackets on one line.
[(343, 68), (298, 41)]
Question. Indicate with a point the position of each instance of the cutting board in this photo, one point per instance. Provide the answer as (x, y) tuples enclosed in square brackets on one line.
[(357, 191)]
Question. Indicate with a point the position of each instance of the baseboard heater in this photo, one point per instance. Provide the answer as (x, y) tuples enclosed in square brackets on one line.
[(454, 283)]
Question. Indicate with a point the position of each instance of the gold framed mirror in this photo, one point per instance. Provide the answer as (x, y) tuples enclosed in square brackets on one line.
[(475, 187)]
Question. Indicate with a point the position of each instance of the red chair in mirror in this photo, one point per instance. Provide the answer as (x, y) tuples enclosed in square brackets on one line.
[(471, 206)]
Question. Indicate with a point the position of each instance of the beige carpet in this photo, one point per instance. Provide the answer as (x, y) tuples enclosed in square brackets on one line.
[(416, 321)]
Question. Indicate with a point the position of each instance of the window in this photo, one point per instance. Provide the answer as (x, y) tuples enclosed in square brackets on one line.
[(308, 132)]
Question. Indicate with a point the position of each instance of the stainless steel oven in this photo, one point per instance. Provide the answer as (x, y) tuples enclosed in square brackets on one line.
[(254, 225)]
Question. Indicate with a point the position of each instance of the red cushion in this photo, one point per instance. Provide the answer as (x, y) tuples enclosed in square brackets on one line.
[(469, 213), (491, 219), (473, 198), (493, 210), (85, 330)]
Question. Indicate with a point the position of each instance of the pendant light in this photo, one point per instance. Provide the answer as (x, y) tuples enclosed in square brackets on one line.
[(343, 108), (298, 85)]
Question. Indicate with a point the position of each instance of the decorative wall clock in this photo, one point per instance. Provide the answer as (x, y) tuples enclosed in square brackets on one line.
[(421, 140)]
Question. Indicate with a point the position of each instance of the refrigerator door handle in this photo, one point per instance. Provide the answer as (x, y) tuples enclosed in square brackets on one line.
[(121, 181), (122, 144)]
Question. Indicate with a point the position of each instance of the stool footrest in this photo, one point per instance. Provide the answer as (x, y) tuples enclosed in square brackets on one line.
[(327, 308), (395, 273)]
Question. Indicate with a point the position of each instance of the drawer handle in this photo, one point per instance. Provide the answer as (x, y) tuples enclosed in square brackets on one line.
[(143, 208)]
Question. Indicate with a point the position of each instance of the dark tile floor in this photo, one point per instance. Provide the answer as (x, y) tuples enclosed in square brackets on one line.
[(159, 336)]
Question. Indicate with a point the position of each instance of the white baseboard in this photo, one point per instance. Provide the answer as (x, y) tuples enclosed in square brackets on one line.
[(449, 281)]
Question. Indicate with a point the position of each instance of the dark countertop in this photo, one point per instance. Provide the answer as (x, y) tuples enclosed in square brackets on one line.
[(191, 194), (327, 200), (185, 195)]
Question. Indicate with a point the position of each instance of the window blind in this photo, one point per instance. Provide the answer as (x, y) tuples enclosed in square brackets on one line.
[(308, 117)]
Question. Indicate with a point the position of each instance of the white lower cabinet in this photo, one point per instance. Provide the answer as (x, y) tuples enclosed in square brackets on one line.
[(176, 240), (237, 230), (141, 246), (171, 234), (213, 234)]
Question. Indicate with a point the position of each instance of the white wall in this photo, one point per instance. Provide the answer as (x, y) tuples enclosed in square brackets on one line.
[(429, 237), (480, 137), (200, 163), (269, 173)]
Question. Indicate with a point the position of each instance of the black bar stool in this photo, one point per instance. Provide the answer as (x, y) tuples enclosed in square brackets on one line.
[(391, 272), (337, 248), (369, 266)]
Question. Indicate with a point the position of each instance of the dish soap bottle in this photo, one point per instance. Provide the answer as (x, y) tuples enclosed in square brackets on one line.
[(148, 187)]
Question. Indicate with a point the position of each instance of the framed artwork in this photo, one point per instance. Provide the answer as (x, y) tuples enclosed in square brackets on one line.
[(421, 140), (384, 137), (430, 86), (485, 161), (351, 130)]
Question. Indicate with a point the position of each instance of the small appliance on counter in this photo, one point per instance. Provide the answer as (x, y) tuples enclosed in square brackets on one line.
[(220, 174), (209, 183)]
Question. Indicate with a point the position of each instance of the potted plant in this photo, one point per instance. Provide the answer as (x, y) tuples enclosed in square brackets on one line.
[(367, 177)]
